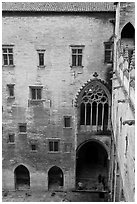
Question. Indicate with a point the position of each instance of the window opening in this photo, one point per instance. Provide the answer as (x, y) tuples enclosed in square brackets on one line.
[(67, 121), (36, 93), (33, 147), (7, 56), (11, 138), (53, 146), (41, 59), (22, 128), (128, 31), (11, 89), (108, 51), (77, 54)]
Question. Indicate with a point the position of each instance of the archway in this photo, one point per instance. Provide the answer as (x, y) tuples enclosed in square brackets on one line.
[(92, 166), (55, 178), (22, 178)]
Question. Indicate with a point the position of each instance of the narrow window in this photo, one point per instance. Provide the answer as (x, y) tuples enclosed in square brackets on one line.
[(7, 56), (11, 90), (41, 54), (11, 138), (41, 59), (108, 52), (94, 113), (88, 114), (77, 54), (36, 93), (22, 128), (33, 147), (100, 114), (53, 146), (67, 121), (82, 114), (105, 121)]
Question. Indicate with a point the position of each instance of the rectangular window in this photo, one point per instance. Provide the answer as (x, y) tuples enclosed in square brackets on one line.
[(11, 138), (53, 146), (36, 93), (11, 90), (33, 147), (41, 59), (41, 54), (77, 57), (22, 128), (7, 55), (108, 52), (67, 121)]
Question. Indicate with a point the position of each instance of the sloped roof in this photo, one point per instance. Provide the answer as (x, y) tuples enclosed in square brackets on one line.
[(59, 6)]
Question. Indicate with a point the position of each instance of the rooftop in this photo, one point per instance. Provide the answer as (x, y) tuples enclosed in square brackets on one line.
[(59, 6)]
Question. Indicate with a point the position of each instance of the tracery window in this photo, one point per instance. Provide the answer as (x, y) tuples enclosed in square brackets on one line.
[(94, 108)]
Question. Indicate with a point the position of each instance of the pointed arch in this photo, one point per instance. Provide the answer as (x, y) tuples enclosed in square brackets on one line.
[(128, 31), (94, 102)]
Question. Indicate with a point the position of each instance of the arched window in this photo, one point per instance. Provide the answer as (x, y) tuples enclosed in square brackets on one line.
[(128, 31), (128, 38), (94, 108)]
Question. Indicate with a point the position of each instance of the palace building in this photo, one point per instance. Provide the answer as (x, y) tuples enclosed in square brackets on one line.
[(68, 84)]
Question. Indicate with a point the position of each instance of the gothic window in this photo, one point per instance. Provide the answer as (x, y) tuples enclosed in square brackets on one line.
[(94, 108)]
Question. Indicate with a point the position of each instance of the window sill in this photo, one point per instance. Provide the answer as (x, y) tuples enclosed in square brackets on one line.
[(41, 67), (11, 97), (108, 62), (33, 151), (11, 143), (76, 67), (50, 152), (8, 66), (35, 102), (22, 133), (67, 127)]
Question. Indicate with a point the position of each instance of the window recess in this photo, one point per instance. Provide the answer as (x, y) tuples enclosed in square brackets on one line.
[(77, 56), (108, 58), (41, 58), (7, 52), (53, 145), (10, 90)]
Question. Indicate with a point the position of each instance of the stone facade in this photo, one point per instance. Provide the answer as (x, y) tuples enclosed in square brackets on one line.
[(60, 83)]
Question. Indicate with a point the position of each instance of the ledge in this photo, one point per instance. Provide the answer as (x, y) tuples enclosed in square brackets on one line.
[(41, 67), (8, 66)]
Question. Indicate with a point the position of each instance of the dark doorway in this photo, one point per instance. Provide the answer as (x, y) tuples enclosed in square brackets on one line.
[(55, 178), (22, 178), (92, 167)]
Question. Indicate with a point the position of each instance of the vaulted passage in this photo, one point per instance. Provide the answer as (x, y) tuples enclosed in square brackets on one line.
[(22, 178), (92, 167), (55, 178)]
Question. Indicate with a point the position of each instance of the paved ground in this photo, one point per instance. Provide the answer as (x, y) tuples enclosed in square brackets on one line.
[(22, 196)]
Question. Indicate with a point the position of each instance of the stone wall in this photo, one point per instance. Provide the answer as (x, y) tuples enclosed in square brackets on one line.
[(55, 33)]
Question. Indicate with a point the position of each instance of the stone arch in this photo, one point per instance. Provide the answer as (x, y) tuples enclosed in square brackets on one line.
[(92, 165), (22, 177), (55, 178), (98, 141)]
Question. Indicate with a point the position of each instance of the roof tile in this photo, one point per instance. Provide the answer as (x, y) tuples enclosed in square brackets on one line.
[(59, 6)]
